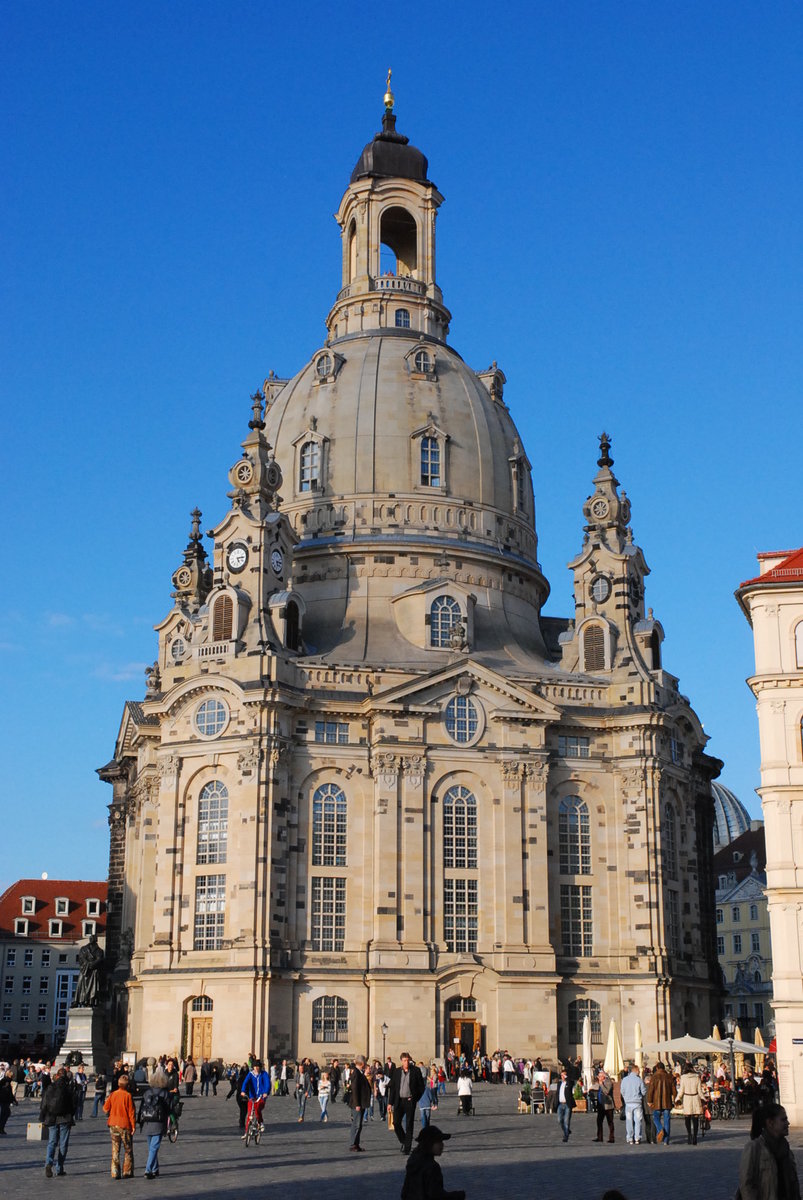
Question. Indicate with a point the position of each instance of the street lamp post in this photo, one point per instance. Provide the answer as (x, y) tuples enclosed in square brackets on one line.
[(384, 1038)]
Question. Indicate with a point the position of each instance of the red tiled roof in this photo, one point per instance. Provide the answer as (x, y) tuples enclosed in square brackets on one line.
[(45, 892), (788, 571)]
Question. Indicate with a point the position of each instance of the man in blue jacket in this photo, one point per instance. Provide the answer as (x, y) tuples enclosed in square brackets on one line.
[(256, 1089)]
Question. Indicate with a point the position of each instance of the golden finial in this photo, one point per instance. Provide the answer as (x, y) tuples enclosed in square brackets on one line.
[(389, 97)]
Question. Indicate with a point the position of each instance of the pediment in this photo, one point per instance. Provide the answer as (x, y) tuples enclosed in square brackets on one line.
[(504, 698)]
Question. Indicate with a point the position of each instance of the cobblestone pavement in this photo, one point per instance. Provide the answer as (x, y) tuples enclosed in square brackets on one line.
[(495, 1153)]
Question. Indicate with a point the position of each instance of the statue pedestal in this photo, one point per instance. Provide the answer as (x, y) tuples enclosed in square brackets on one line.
[(85, 1037)]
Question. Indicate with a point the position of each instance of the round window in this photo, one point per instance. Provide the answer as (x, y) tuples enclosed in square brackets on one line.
[(178, 649), (211, 717), (462, 719), (323, 366), (601, 588), (423, 362)]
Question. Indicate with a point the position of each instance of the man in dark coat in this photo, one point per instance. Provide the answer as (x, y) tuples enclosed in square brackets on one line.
[(359, 1098), (7, 1098), (423, 1179), (56, 1113), (660, 1097), (405, 1090)]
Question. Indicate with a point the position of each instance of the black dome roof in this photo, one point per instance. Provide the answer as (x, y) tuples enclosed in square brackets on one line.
[(390, 154)]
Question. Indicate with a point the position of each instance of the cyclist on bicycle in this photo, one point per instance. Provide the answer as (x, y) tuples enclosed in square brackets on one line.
[(256, 1090)]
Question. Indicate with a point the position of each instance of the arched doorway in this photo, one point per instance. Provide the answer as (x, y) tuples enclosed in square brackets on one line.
[(464, 1033), (200, 1031)]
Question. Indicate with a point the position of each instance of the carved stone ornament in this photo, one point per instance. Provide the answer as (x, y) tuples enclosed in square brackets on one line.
[(278, 751), (413, 767), (168, 766), (248, 761), (512, 772), (630, 781), (537, 769), (385, 767)]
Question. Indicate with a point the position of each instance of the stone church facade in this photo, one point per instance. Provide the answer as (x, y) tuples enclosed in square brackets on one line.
[(369, 783)]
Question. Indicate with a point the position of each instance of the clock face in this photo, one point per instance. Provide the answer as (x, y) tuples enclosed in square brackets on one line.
[(600, 508), (237, 557), (244, 472), (184, 577), (277, 562)]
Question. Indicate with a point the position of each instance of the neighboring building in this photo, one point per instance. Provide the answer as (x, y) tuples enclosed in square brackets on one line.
[(743, 931), (369, 782), (43, 924), (773, 604)]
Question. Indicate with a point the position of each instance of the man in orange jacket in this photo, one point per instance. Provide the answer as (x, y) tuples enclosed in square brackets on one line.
[(121, 1122)]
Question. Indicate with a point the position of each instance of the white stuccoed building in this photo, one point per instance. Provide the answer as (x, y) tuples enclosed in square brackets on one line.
[(773, 604)]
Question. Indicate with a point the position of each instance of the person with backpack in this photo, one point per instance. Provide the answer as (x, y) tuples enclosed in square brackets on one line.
[(152, 1118), (56, 1113)]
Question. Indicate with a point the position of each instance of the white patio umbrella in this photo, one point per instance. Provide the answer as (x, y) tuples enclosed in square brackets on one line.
[(638, 1048), (738, 1053), (758, 1039), (686, 1045), (614, 1062), (588, 1064)]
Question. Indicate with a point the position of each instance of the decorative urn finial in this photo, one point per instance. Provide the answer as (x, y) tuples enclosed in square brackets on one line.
[(604, 459), (195, 529), (390, 99), (256, 421)]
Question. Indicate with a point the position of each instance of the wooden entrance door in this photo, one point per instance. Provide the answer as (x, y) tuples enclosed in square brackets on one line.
[(201, 1038), (464, 1035)]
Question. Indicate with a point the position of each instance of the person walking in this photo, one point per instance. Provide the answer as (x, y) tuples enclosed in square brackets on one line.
[(7, 1098), (122, 1123), (190, 1075), (302, 1088), (405, 1090), (604, 1105), (101, 1086), (633, 1093), (153, 1115), (56, 1113), (690, 1095), (660, 1094), (324, 1092), (767, 1169), (423, 1178), (565, 1104), (465, 1087), (428, 1101), (359, 1096)]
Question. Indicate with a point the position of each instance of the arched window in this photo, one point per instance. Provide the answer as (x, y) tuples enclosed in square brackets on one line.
[(669, 842), (423, 362), (202, 1004), (329, 826), (309, 476), (222, 619), (352, 250), (292, 625), (460, 829), (443, 615), (430, 462), (799, 646), (213, 822), (398, 238), (578, 1010), (655, 650), (593, 648), (574, 837), (402, 318), (461, 719), (330, 1019)]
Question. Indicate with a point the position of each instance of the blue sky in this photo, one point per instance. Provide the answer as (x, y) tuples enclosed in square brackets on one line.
[(621, 232)]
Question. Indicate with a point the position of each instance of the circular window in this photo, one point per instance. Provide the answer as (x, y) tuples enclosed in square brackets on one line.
[(423, 362), (323, 366), (211, 717), (178, 649), (462, 719), (601, 588)]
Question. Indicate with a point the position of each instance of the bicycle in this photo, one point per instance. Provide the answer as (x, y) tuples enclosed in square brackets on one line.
[(253, 1129), (172, 1121)]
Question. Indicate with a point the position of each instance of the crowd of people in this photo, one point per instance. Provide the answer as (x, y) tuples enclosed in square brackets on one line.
[(403, 1096)]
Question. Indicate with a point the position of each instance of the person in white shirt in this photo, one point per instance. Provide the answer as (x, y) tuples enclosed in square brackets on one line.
[(324, 1091), (464, 1090), (565, 1104)]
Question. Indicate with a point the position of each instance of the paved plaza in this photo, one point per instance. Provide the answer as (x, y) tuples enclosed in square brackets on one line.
[(496, 1153)]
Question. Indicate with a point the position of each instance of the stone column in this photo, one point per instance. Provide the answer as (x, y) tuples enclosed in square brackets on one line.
[(385, 768)]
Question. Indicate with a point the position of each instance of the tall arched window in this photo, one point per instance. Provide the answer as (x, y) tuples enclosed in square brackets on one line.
[(292, 625), (593, 648), (444, 613), (352, 250), (460, 871), (222, 619), (655, 650), (309, 477), (459, 829), (402, 318), (578, 1010), (799, 645), (330, 1019), (329, 813), (430, 462), (669, 842), (574, 837), (213, 822)]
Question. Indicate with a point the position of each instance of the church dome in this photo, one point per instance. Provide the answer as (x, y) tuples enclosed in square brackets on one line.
[(731, 818), (390, 154)]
